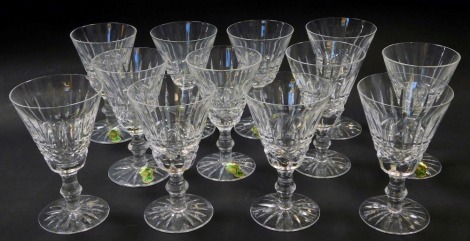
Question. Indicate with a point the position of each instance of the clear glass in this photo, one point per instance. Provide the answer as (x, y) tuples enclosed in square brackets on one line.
[(59, 112), (285, 113), (350, 30), (435, 61), (231, 69), (270, 38), (116, 70), (175, 40), (89, 41), (402, 122), (173, 118), (339, 62)]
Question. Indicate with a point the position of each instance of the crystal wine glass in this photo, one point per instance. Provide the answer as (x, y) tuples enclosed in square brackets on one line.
[(270, 38), (402, 122), (177, 39), (351, 30), (91, 40), (59, 112), (286, 114), (173, 117), (117, 70), (435, 61), (231, 69), (339, 62)]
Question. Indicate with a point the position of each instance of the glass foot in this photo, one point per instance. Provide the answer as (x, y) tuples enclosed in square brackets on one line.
[(209, 129), (125, 173), (211, 168), (346, 128), (246, 128), (411, 219), (433, 165), (101, 133), (160, 216), (267, 213), (336, 165), (56, 218)]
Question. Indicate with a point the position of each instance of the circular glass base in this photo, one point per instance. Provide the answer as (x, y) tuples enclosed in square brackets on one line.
[(240, 167), (101, 133), (433, 165), (335, 165), (303, 213), (160, 216), (56, 218), (125, 173), (209, 129), (346, 128), (411, 219), (246, 128)]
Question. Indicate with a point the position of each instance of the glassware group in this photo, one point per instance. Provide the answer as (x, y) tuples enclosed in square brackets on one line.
[(170, 97)]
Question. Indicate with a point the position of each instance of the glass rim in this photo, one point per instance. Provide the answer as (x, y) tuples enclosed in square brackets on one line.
[(363, 56), (260, 58), (134, 86), (121, 49), (455, 62), (327, 96), (447, 87), (102, 42), (98, 93), (260, 40), (329, 36), (183, 41)]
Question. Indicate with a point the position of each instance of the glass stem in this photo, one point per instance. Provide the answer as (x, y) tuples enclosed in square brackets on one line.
[(225, 144), (71, 190), (108, 111), (285, 187), (322, 142), (177, 187), (138, 146), (396, 192)]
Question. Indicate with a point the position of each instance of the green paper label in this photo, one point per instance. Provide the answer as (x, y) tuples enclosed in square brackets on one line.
[(255, 131), (147, 174), (421, 170), (234, 169), (114, 135)]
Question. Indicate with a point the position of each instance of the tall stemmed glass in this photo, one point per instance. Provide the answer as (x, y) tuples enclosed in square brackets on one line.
[(402, 122), (270, 38), (351, 30), (91, 40), (59, 112), (231, 69), (117, 70), (286, 114), (435, 61), (175, 40), (173, 117), (339, 62)]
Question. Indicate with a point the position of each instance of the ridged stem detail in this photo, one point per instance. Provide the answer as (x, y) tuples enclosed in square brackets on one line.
[(138, 146), (285, 187), (71, 190), (322, 142), (396, 192), (225, 144), (177, 187)]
